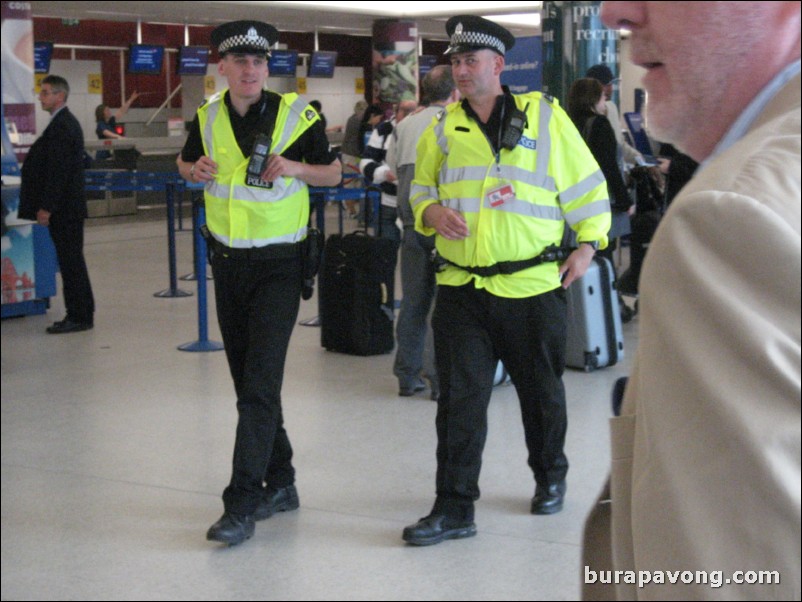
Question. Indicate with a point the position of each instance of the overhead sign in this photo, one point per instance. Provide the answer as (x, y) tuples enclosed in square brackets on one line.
[(523, 65)]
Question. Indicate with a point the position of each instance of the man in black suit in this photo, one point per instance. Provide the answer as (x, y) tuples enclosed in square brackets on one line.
[(53, 195)]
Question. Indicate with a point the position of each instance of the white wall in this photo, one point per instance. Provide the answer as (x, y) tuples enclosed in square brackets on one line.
[(337, 95), (81, 102)]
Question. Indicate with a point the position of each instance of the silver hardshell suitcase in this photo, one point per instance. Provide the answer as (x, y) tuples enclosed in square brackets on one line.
[(595, 338)]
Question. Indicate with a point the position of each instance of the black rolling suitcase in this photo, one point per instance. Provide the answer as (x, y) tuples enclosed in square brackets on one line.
[(595, 338), (357, 293)]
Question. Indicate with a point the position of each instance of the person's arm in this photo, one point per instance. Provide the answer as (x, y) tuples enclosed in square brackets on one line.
[(193, 164), (582, 190), (107, 132), (373, 164), (631, 155), (201, 170), (63, 156), (313, 175), (312, 160), (126, 105), (604, 147), (430, 216)]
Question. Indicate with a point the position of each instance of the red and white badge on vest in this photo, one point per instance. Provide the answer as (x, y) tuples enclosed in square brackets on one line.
[(504, 193)]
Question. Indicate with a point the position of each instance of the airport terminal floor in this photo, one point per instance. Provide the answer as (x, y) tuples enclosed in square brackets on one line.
[(116, 447)]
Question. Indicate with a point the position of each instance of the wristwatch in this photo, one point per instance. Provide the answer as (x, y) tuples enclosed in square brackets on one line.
[(593, 243)]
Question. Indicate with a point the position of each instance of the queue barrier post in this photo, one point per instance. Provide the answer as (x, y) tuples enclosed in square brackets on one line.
[(203, 343)]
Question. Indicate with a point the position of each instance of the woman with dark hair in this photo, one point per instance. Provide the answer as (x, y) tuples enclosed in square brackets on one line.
[(586, 107), (106, 122), (370, 119)]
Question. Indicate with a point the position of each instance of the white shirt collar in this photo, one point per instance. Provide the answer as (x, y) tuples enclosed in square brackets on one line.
[(57, 111)]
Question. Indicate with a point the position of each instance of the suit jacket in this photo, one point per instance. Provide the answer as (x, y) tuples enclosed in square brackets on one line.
[(53, 172), (706, 452)]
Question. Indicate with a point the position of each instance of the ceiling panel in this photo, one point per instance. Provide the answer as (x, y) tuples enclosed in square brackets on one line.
[(286, 16)]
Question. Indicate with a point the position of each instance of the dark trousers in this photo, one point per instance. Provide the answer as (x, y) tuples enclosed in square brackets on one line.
[(68, 239), (473, 329), (257, 305)]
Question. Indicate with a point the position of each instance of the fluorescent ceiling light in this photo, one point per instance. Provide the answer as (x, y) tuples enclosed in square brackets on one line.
[(431, 8), (522, 19)]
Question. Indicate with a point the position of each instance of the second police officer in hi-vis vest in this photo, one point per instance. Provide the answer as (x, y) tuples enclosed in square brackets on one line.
[(498, 178), (256, 152)]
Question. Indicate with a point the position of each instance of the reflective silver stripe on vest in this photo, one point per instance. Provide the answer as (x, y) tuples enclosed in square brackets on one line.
[(479, 173), (544, 147), (295, 112), (594, 209), (440, 134), (261, 242), (527, 209), (518, 207), (282, 189), (427, 193), (463, 205), (208, 136), (582, 188)]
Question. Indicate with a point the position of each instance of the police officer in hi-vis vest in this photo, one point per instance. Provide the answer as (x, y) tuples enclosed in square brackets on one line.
[(498, 178), (256, 152)]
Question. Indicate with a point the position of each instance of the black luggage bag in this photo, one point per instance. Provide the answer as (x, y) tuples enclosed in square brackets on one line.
[(357, 293)]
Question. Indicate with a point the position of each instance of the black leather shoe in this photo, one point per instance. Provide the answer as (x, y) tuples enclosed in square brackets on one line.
[(232, 529), (548, 500), (627, 313), (277, 500), (435, 528), (68, 325)]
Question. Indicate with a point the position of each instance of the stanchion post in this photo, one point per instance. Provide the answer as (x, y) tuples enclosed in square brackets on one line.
[(181, 208), (173, 291), (203, 343), (193, 275)]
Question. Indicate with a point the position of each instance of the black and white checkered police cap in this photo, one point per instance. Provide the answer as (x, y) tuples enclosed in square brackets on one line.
[(469, 32), (244, 37)]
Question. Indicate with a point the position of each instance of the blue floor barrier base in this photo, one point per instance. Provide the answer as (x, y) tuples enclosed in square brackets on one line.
[(201, 346), (192, 277), (167, 293)]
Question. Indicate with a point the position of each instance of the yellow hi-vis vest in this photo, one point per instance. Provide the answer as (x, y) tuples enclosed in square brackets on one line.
[(242, 216), (556, 181)]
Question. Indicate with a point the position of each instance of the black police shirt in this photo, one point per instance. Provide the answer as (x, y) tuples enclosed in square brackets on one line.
[(492, 129), (311, 147)]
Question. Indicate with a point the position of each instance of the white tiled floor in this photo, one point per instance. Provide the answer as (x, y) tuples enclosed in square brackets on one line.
[(116, 448)]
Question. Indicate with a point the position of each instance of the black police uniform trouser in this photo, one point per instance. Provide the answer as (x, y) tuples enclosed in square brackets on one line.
[(68, 239), (473, 329), (257, 306)]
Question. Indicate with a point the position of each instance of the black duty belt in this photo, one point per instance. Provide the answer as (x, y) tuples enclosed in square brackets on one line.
[(551, 253), (277, 251)]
